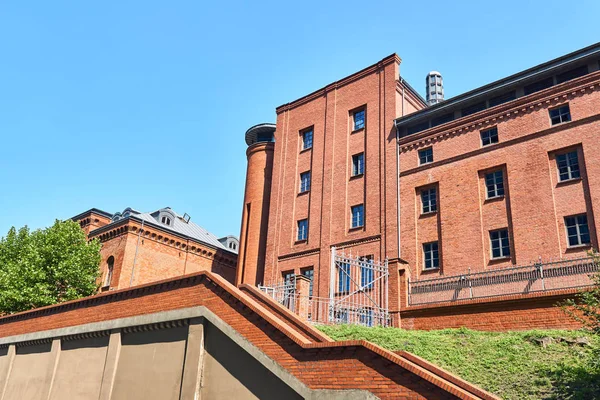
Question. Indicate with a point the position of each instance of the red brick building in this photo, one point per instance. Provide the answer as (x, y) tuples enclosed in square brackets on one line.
[(139, 248), (500, 176)]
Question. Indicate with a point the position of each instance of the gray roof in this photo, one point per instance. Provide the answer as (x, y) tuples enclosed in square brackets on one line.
[(497, 87), (179, 225)]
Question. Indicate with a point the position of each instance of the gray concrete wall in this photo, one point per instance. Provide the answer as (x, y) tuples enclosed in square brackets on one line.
[(80, 368), (232, 373)]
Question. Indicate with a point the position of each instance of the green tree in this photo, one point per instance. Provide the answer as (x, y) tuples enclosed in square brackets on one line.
[(46, 266)]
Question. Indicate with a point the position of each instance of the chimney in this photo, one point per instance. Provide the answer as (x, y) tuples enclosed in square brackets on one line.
[(435, 88)]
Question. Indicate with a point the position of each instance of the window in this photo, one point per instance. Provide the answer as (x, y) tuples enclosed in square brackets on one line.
[(539, 85), (289, 288), (503, 98), (417, 128), (494, 182), (288, 277), (367, 272), (568, 166), (358, 164), (560, 114), (366, 316), (359, 120), (110, 264), (489, 136), (577, 230), (426, 156), (472, 109), (499, 243), (358, 216), (431, 258), (429, 200), (166, 220), (442, 119), (344, 278), (305, 182), (341, 316), (572, 74), (302, 229), (307, 139), (310, 274)]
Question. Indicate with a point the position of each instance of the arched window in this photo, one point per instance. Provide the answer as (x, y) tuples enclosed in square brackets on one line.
[(110, 264)]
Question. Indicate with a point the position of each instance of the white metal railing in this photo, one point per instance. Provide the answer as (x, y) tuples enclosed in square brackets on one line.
[(536, 277), (358, 293)]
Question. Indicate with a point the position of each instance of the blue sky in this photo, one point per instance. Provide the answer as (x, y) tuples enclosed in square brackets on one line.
[(144, 104)]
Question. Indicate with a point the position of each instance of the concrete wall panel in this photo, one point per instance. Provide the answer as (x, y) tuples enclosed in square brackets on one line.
[(79, 372), (28, 379), (150, 365)]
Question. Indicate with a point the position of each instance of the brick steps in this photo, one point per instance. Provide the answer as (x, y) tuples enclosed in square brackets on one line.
[(318, 363)]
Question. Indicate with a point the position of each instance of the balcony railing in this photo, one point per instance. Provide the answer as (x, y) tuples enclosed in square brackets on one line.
[(537, 277)]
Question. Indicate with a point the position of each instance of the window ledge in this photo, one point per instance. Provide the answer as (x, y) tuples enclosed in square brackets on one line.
[(425, 163), (305, 150), (489, 145), (357, 176), (560, 123), (357, 130), (301, 241), (499, 259), (495, 198), (568, 181), (303, 193), (356, 228), (579, 246), (427, 270), (428, 214)]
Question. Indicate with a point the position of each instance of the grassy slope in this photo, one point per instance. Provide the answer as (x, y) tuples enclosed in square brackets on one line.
[(511, 365)]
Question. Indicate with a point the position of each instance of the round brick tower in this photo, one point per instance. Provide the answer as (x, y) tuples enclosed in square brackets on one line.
[(253, 235)]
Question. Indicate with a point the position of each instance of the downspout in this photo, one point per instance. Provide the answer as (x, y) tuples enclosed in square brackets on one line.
[(136, 253)]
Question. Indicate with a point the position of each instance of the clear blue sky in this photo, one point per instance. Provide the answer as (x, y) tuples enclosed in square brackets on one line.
[(144, 104)]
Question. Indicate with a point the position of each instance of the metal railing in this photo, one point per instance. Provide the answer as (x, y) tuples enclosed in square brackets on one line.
[(537, 277), (358, 293)]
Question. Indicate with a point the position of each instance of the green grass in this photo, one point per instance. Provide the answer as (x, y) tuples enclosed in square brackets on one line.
[(511, 365)]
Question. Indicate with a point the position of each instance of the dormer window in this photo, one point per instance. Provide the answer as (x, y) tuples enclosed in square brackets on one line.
[(166, 217)]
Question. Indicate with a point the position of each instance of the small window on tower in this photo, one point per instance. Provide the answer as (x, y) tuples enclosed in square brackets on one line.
[(359, 120)]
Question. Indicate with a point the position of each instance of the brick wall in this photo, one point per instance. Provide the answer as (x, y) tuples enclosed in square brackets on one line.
[(329, 113), (157, 255), (515, 312), (534, 205), (323, 365)]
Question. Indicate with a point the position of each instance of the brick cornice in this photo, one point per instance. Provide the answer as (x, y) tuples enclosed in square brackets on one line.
[(491, 116), (297, 254), (532, 135), (342, 82), (353, 242), (149, 232)]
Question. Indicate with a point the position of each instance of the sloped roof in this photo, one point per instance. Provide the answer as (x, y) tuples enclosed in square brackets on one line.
[(179, 225), (185, 228)]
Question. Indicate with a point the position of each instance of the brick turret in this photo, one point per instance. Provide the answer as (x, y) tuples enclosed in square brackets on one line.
[(251, 261)]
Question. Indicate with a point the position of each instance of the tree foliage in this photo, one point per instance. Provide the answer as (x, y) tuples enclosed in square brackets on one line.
[(46, 266)]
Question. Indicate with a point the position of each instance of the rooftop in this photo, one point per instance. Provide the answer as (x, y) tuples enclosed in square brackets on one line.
[(167, 219), (523, 83)]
